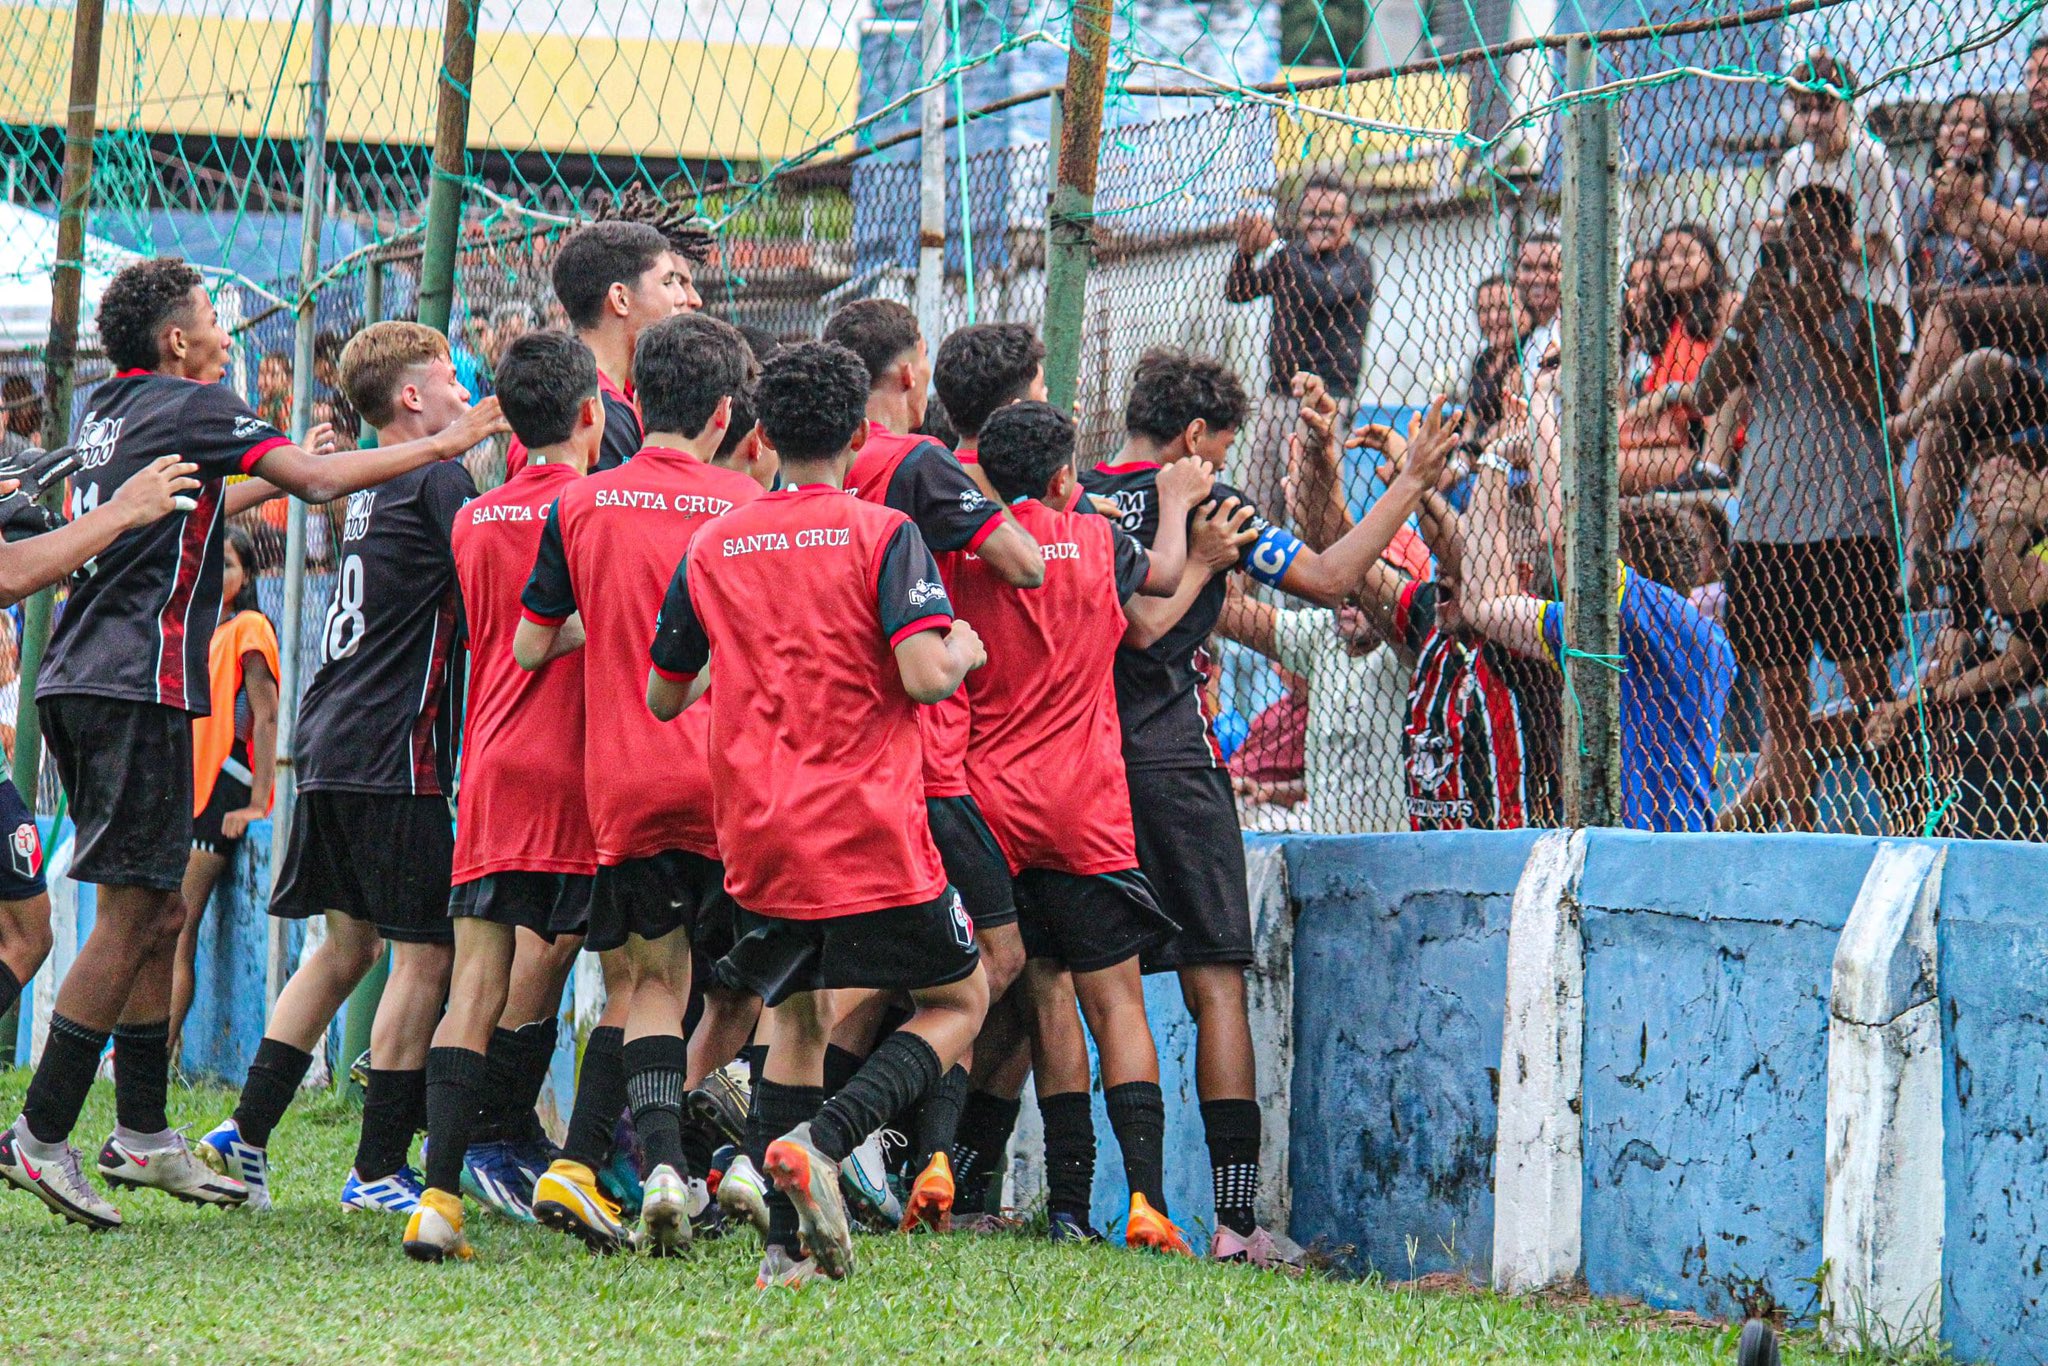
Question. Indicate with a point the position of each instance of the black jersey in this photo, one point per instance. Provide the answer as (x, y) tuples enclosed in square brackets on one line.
[(1159, 688), (377, 716), (140, 618)]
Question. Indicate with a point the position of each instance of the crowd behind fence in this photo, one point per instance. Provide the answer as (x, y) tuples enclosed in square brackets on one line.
[(1832, 408)]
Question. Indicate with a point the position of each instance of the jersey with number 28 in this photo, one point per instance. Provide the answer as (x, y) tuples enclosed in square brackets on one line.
[(376, 717)]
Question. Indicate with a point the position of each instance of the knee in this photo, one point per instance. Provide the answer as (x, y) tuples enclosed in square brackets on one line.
[(167, 924), (352, 957), (426, 966), (25, 938), (1213, 992), (1002, 959)]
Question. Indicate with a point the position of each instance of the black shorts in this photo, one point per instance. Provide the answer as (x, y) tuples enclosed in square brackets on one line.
[(21, 872), (1843, 596), (654, 896), (904, 948), (549, 904), (380, 857), (127, 771), (1088, 921), (974, 861), (229, 794), (1193, 855)]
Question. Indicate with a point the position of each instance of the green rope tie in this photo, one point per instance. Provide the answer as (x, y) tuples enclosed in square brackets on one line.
[(1615, 663)]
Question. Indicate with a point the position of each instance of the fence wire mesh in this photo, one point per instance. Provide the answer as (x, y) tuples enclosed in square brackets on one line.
[(1834, 330)]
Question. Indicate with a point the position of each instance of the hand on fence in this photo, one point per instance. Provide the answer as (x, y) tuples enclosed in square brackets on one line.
[(1318, 404), (1255, 233), (1431, 437)]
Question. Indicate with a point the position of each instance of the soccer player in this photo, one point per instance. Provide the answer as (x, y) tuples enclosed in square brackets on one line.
[(1046, 762), (1186, 821), (922, 479), (817, 787), (524, 856), (370, 843), (125, 673), (607, 552)]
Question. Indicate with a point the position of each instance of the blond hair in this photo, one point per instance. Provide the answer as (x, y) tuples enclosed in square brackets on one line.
[(374, 362)]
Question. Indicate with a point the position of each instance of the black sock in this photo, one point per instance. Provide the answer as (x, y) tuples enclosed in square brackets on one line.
[(500, 1086), (1137, 1114), (840, 1066), (535, 1059), (142, 1076), (267, 1093), (455, 1078), (980, 1142), (1069, 1153), (654, 1084), (755, 1056), (600, 1096), (1232, 1127), (938, 1118), (10, 992), (71, 1055), (902, 1068), (777, 1110), (391, 1107)]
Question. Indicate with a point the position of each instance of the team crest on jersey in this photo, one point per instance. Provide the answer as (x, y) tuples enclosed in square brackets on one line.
[(358, 524), (25, 849), (1430, 760), (963, 928), (924, 591), (970, 499), (96, 438), (1130, 509)]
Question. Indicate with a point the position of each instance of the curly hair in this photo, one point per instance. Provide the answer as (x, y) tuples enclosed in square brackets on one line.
[(810, 399), (1023, 446), (138, 303), (983, 367), (1171, 388), (689, 236)]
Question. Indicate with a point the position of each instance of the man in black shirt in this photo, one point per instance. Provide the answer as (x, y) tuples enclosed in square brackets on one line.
[(1321, 285), (125, 674), (371, 843)]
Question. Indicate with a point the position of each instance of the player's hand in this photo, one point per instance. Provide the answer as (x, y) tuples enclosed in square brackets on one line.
[(1221, 532), (1378, 436), (234, 823), (483, 421), (1431, 436), (1106, 506), (1318, 404), (321, 440), (964, 641), (1255, 233), (162, 487), (1185, 483)]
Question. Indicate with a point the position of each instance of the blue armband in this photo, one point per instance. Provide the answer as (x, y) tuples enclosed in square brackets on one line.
[(1270, 555)]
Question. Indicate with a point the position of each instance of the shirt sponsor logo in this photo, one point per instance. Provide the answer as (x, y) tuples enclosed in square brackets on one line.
[(357, 525), (689, 504), (96, 438), (970, 499), (924, 591), (249, 425), (506, 512), (1130, 509)]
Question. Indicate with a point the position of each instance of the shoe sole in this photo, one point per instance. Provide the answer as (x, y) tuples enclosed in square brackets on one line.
[(665, 1230), (562, 1219), (789, 1167), (189, 1197), (739, 1206), (60, 1207), (1158, 1242), (932, 1209), (434, 1254), (717, 1111)]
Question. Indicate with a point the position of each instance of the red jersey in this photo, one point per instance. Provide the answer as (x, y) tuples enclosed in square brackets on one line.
[(1046, 759), (519, 806), (799, 599), (920, 478), (609, 549)]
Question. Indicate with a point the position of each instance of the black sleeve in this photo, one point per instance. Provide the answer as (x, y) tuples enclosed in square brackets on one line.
[(908, 589), (681, 649), (1133, 563), (549, 597), (446, 488), (221, 435), (1415, 615), (937, 493), (621, 440)]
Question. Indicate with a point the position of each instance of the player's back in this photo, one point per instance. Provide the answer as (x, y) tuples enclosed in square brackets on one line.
[(1046, 754), (622, 533), (520, 805), (376, 717), (816, 761)]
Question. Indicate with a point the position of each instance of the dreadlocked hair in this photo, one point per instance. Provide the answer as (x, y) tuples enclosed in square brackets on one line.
[(688, 236)]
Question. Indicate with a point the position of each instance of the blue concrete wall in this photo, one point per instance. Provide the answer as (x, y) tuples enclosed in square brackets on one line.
[(1400, 973), (1190, 1198), (1708, 961), (1994, 1008)]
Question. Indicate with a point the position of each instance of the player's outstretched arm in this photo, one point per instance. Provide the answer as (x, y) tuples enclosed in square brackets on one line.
[(42, 560), (536, 644), (1183, 486), (1495, 604), (1249, 622), (323, 478), (1222, 531), (932, 664), (1335, 574), (244, 494)]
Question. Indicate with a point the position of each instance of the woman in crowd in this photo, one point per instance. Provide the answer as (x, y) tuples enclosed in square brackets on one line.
[(1690, 304), (234, 753), (1945, 247), (1487, 387)]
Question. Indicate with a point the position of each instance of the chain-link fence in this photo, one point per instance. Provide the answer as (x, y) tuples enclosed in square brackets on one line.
[(1832, 315)]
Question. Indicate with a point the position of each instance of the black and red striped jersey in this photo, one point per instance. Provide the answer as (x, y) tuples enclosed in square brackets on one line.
[(139, 620), (377, 717)]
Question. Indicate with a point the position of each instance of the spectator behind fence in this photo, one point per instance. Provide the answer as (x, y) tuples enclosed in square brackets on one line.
[(1539, 291), (1688, 305), (1486, 383), (1321, 284), (1814, 564), (1946, 246), (1638, 339), (1268, 767), (23, 427), (274, 389), (1676, 667), (1832, 147)]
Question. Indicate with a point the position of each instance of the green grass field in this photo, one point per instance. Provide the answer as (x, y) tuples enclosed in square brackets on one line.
[(309, 1284)]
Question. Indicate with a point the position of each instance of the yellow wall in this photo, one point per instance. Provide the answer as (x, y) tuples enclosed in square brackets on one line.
[(210, 75), (1424, 100)]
